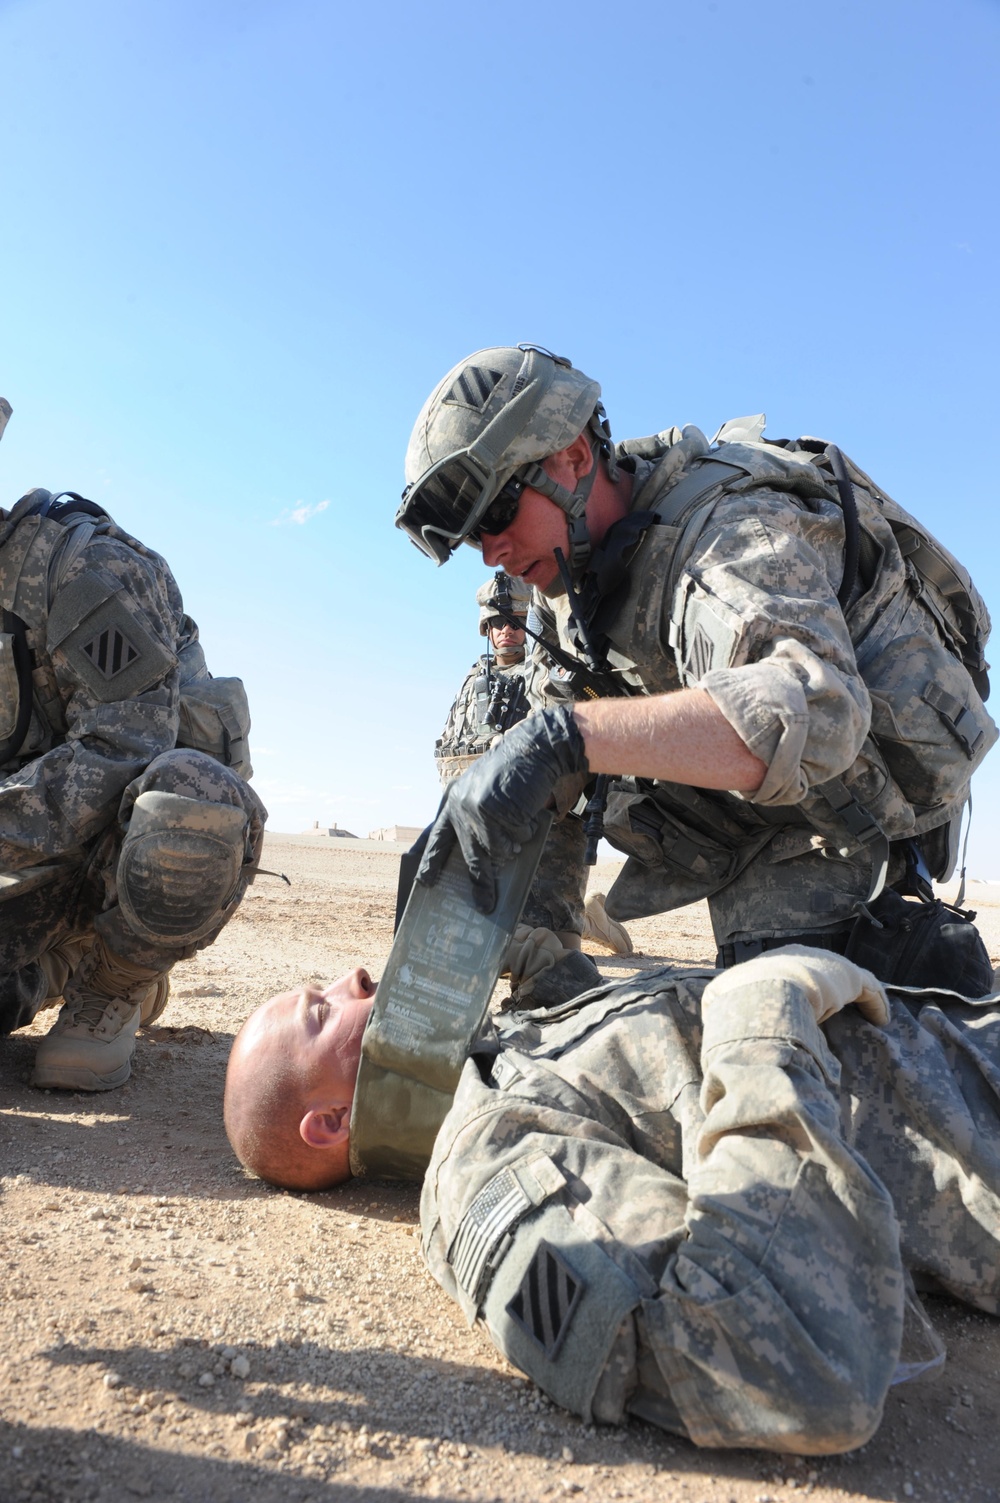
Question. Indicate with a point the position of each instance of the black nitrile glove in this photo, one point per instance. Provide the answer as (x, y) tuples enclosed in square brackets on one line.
[(492, 809)]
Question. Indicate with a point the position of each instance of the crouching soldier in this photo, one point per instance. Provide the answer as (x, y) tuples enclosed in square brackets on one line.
[(128, 834)]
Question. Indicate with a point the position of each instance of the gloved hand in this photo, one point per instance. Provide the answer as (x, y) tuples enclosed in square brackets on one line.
[(829, 981), (492, 809), (544, 972)]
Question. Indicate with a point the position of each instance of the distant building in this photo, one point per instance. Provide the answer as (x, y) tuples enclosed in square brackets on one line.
[(326, 830), (404, 834)]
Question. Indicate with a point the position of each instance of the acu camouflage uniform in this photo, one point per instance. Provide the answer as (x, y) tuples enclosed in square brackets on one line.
[(867, 724), (700, 1211), (122, 708), (493, 696)]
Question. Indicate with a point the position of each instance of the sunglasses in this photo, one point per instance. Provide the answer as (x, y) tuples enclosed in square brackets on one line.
[(500, 513)]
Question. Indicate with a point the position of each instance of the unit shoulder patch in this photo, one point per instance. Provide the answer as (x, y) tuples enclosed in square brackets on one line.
[(104, 639), (546, 1299)]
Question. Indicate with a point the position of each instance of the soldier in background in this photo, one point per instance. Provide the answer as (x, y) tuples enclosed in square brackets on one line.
[(128, 832), (494, 694)]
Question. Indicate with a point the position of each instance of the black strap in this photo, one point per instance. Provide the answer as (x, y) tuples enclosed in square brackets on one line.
[(59, 510), (852, 527), (409, 862)]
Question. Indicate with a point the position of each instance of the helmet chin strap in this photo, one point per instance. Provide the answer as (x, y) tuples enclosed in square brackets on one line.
[(573, 503)]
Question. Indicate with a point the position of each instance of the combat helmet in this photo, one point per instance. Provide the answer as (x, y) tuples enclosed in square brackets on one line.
[(480, 439), (504, 595)]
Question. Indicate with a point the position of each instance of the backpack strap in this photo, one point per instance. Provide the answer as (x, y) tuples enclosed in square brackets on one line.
[(852, 527), (703, 477), (18, 633), (61, 511), (680, 506)]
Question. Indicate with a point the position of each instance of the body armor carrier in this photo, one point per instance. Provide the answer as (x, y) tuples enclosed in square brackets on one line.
[(500, 701), (918, 626)]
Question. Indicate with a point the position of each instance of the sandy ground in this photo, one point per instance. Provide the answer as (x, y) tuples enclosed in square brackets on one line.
[(172, 1329)]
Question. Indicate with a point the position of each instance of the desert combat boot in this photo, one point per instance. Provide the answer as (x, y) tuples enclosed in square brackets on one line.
[(91, 1043)]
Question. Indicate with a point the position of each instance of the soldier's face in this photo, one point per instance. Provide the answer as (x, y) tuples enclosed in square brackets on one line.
[(320, 1030), (527, 547), (506, 638)]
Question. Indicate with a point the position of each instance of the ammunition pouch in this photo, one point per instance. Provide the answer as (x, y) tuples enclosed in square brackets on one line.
[(682, 845), (452, 766), (215, 719)]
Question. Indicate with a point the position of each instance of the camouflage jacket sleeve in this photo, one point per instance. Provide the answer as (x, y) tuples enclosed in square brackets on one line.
[(756, 623), (755, 1251), (109, 674), (458, 728)]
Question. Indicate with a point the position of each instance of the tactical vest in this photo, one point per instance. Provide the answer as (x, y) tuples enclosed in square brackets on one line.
[(918, 625), (494, 700), (39, 540), (500, 701)]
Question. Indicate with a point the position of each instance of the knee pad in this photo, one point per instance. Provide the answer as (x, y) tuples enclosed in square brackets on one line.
[(180, 867)]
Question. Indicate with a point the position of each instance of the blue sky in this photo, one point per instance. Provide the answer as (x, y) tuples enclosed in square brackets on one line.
[(242, 240)]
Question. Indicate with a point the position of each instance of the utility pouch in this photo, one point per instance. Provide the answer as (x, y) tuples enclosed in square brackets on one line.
[(215, 718), (10, 692), (930, 723), (674, 860), (430, 1005), (921, 944)]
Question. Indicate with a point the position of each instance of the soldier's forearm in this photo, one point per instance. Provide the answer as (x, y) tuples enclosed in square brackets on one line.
[(679, 738)]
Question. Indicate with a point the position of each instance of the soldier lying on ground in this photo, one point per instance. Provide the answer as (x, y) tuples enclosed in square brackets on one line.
[(692, 1197), (128, 834)]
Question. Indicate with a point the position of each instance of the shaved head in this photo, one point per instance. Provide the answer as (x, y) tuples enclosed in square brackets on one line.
[(290, 1084)]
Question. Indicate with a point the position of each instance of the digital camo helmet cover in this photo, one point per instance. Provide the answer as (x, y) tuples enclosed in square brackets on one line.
[(497, 412), (502, 592)]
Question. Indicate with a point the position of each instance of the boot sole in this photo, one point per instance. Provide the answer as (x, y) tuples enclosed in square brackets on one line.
[(76, 1078)]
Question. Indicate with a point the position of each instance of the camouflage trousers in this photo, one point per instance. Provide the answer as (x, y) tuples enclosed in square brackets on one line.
[(557, 894), (79, 899)]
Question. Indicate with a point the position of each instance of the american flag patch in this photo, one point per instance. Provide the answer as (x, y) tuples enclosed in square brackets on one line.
[(498, 1205)]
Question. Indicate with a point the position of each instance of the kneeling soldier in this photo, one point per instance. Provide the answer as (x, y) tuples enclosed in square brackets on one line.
[(128, 833)]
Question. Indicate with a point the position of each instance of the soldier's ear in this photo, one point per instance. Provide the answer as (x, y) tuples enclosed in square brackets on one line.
[(326, 1129), (578, 456)]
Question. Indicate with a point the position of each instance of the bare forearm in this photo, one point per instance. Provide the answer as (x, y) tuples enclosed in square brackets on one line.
[(679, 738)]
